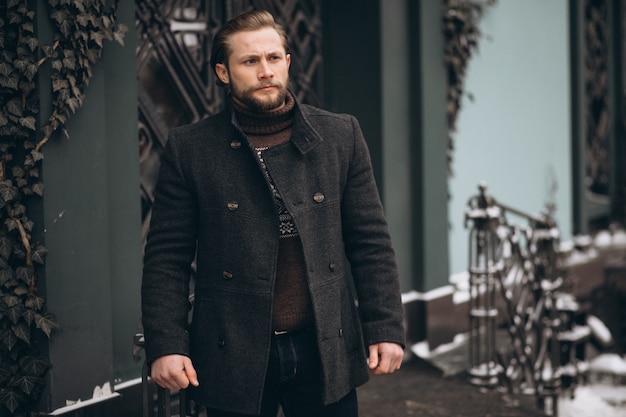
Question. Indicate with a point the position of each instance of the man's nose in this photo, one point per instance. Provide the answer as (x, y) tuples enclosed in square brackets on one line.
[(265, 70)]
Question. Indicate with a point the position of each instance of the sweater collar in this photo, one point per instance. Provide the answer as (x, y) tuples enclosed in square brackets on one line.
[(264, 122), (303, 135)]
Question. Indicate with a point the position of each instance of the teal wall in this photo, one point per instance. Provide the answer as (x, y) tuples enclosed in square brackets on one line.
[(396, 129), (516, 134), (92, 226), (414, 140)]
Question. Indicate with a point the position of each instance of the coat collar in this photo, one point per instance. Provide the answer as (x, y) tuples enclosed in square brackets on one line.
[(303, 135)]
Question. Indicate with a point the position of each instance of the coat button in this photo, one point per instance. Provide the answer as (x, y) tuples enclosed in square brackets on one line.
[(227, 275), (221, 343), (236, 144), (332, 266), (232, 205), (318, 197)]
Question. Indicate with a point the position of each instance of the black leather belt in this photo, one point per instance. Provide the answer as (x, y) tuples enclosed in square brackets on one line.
[(286, 332)]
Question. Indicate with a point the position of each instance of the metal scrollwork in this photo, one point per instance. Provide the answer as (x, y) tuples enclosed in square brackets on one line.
[(597, 109), (176, 83)]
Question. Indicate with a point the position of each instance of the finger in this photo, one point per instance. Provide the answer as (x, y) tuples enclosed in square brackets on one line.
[(395, 359), (399, 360), (384, 363), (373, 359), (164, 381), (394, 365), (191, 373), (171, 379), (396, 355), (180, 379)]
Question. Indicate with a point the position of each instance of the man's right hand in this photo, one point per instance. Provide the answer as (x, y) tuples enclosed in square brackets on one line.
[(174, 372)]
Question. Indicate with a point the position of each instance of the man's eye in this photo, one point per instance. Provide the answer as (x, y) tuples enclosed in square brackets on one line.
[(250, 61)]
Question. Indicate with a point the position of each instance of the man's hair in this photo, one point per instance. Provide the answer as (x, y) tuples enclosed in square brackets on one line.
[(254, 20)]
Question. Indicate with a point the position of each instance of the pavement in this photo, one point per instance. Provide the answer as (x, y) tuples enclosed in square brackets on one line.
[(438, 386), (419, 388)]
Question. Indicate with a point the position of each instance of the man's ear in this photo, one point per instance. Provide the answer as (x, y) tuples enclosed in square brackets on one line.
[(288, 57), (222, 73)]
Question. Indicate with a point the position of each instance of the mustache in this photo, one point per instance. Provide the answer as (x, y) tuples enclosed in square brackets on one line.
[(270, 84)]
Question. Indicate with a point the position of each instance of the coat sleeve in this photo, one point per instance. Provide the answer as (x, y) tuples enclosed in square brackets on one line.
[(170, 249), (369, 250)]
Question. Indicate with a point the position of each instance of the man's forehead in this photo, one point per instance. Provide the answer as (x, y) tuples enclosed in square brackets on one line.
[(256, 40)]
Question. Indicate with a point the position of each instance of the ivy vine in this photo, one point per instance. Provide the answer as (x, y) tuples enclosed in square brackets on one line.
[(461, 29), (80, 29)]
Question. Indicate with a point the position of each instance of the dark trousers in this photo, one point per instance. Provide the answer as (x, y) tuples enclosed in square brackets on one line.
[(294, 381)]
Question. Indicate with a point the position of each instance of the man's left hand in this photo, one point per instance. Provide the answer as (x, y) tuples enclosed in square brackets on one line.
[(385, 358)]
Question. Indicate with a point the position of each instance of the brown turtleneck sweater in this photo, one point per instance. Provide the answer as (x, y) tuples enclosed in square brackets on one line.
[(292, 303)]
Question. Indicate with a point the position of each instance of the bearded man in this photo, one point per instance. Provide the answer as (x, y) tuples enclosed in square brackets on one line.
[(296, 295)]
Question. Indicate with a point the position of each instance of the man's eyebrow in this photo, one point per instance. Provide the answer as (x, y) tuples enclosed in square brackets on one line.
[(257, 55)]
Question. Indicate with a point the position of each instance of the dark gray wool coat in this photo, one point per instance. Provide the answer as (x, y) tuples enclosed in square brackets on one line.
[(212, 197)]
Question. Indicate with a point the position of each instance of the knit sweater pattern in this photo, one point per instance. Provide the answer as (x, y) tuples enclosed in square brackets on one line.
[(292, 308)]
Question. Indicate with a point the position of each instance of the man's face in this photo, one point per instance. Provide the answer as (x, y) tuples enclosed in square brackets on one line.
[(257, 70)]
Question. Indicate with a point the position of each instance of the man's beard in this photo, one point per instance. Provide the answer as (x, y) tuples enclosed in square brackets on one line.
[(248, 98)]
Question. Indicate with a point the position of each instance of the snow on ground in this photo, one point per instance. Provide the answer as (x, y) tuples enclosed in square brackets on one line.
[(604, 395), (595, 401)]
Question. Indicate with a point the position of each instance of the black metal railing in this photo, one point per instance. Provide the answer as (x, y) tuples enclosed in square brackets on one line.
[(157, 401), (517, 282)]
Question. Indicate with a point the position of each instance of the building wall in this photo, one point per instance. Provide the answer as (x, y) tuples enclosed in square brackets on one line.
[(91, 226), (515, 133), (386, 68)]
